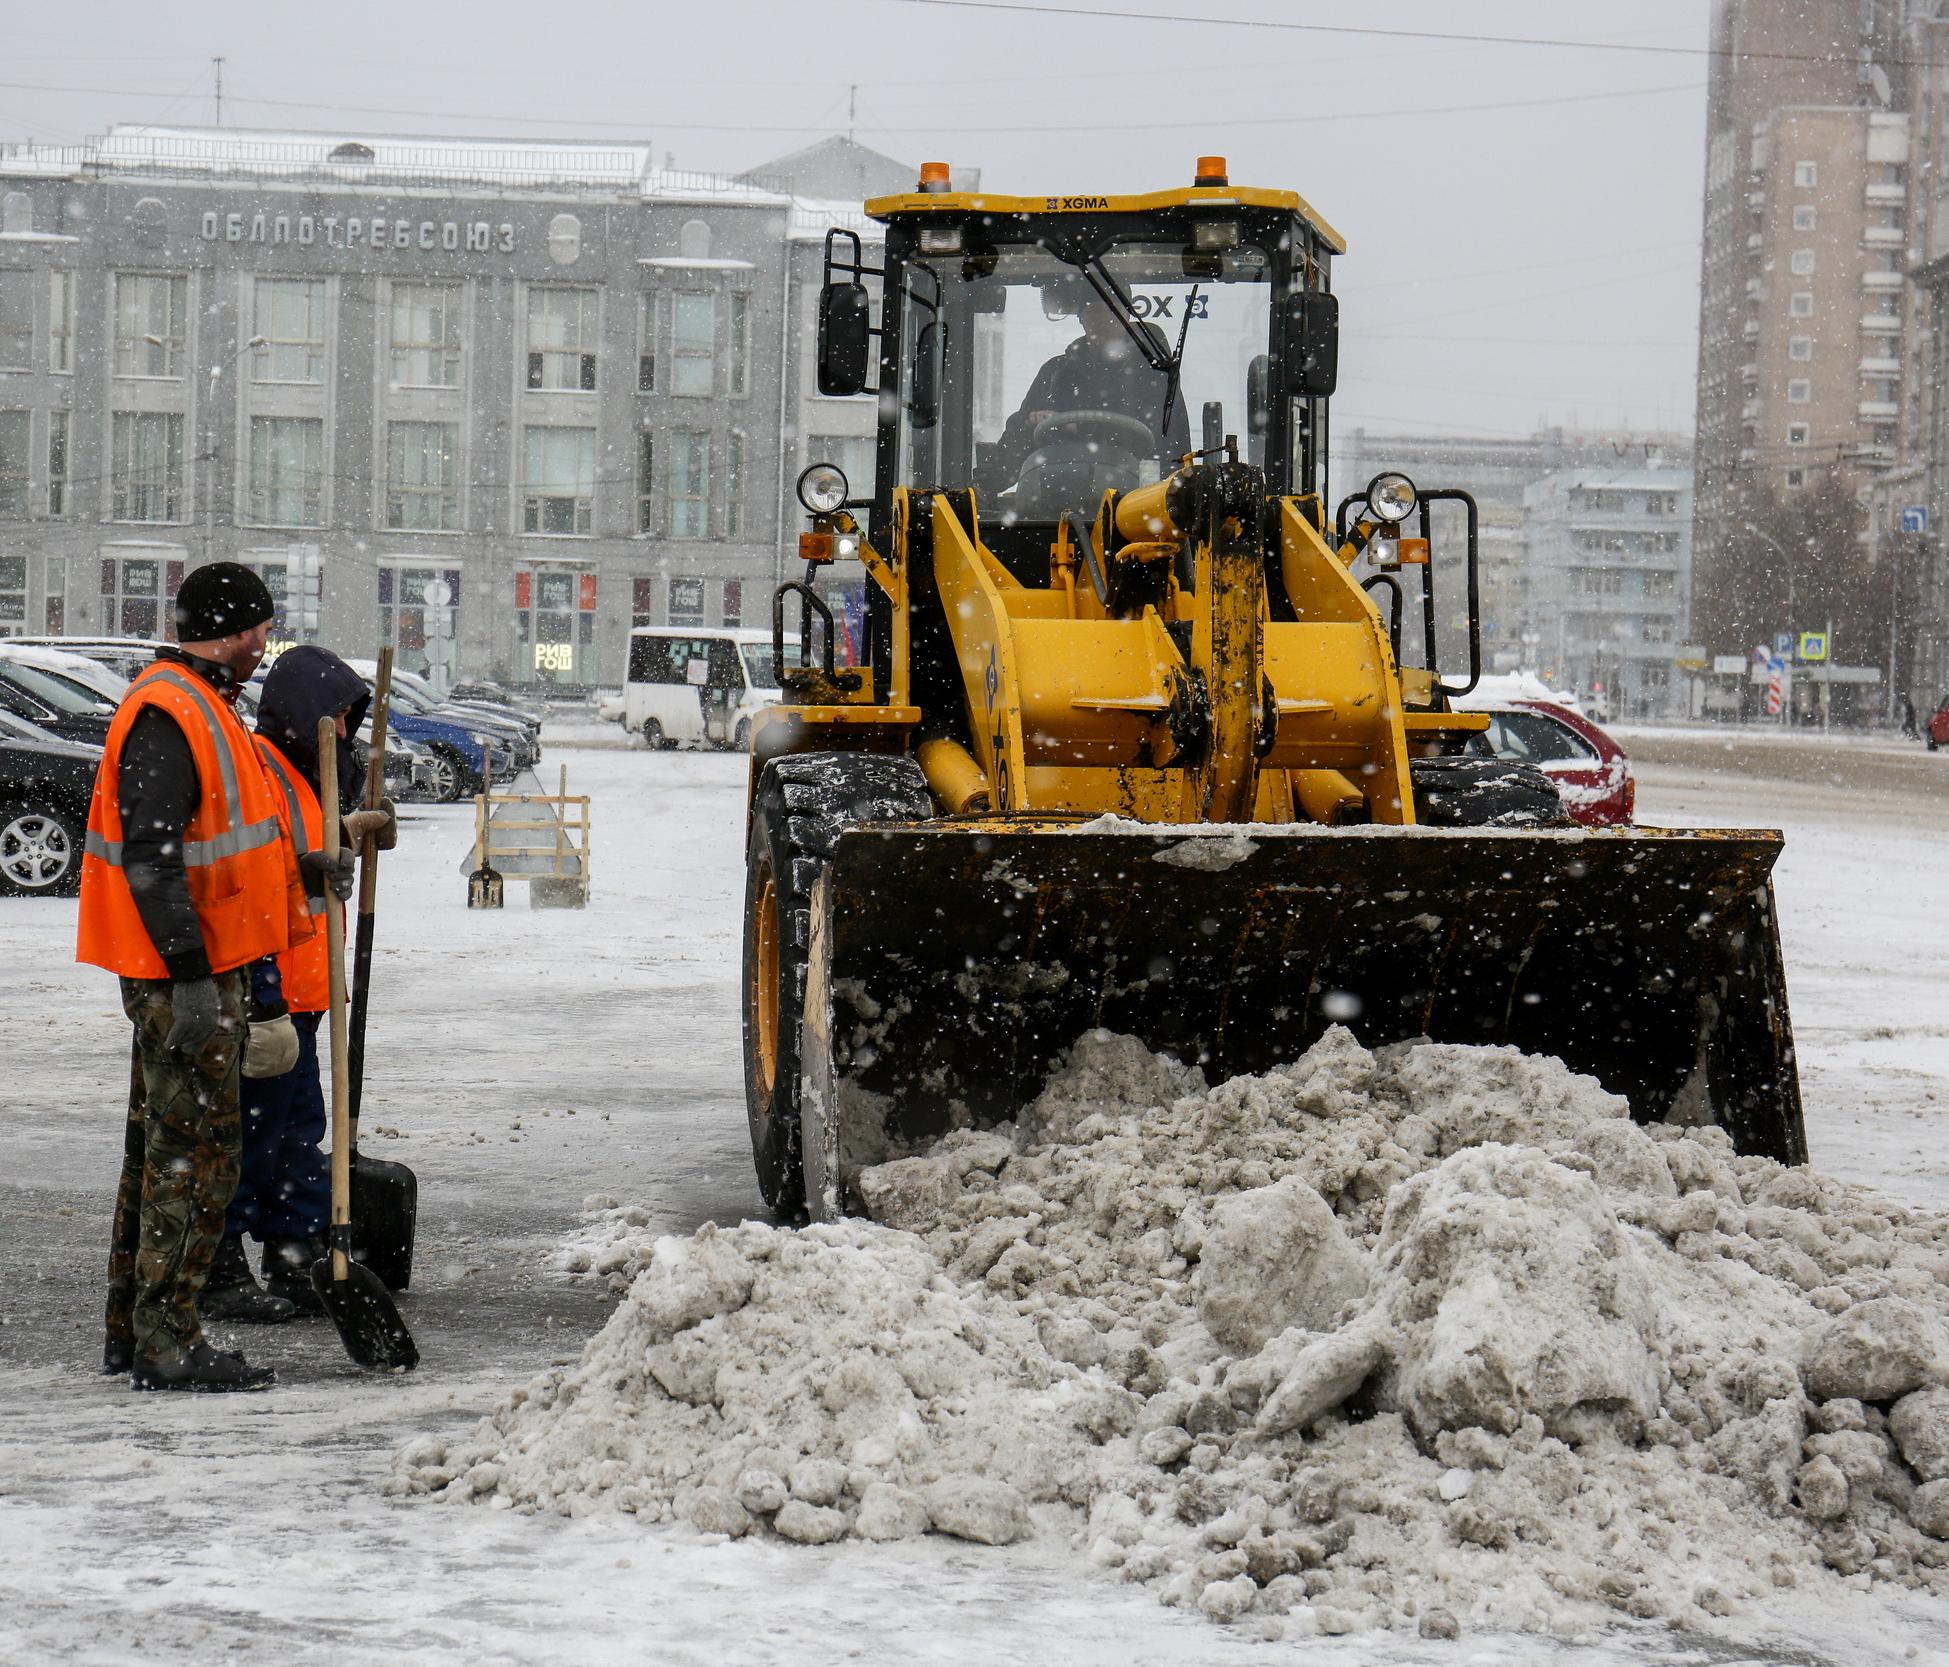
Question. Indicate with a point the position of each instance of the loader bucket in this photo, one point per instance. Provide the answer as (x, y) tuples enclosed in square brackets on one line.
[(953, 963)]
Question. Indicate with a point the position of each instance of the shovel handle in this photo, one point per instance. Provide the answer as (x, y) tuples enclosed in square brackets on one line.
[(335, 964), (375, 784)]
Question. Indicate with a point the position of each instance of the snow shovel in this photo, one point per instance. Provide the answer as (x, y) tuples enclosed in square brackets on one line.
[(385, 1196), (354, 1296)]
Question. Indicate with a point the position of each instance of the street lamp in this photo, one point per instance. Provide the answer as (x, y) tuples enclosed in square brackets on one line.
[(206, 452)]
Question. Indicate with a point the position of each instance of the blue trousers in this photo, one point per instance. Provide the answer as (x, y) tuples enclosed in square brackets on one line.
[(285, 1191)]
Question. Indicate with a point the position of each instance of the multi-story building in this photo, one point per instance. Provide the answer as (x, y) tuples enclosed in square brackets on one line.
[(1610, 570), (526, 394), (1810, 334), (1518, 631)]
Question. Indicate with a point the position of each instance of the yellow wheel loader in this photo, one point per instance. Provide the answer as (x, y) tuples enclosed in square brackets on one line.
[(1129, 737)]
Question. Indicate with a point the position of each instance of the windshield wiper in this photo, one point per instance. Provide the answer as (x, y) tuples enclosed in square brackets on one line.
[(1177, 359), (1104, 282)]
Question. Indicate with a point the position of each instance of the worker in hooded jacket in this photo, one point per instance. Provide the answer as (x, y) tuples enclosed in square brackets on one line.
[(188, 877), (283, 1195)]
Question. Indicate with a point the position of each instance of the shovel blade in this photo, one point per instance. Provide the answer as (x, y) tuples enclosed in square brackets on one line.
[(385, 1213), (368, 1322), (952, 965)]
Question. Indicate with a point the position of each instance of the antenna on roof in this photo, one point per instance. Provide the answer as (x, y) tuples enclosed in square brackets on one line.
[(218, 63)]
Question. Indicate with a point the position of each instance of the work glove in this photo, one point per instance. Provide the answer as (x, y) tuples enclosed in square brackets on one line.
[(319, 871), (197, 1016), (271, 1048), (382, 823)]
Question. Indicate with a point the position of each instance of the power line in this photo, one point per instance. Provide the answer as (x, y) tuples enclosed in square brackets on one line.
[(1446, 277)]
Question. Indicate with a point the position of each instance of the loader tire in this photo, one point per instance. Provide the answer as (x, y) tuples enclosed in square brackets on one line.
[(802, 804), (1484, 793)]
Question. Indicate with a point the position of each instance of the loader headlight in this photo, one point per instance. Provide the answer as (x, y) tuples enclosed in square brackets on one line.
[(1391, 497), (822, 488)]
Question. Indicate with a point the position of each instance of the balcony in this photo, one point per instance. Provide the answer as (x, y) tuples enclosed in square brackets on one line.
[(1888, 194), (1884, 237), (1874, 410), (1881, 367), (1883, 281), (1755, 288), (1882, 324), (1750, 411), (1751, 329), (1754, 241)]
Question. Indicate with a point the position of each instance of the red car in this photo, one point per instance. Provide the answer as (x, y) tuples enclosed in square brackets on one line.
[(1936, 731), (1590, 770)]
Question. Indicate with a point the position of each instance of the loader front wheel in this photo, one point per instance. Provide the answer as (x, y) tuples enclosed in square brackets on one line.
[(1472, 792), (802, 805)]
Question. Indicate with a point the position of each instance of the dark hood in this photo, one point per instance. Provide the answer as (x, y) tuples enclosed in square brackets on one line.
[(305, 684)]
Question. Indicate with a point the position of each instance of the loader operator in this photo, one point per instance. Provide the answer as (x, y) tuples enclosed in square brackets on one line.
[(283, 1195), (1102, 370), (188, 877)]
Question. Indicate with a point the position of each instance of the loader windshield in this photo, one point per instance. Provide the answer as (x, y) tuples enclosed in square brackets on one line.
[(1043, 380)]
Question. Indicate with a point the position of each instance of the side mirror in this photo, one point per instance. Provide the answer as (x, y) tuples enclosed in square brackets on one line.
[(924, 392), (845, 339), (1258, 406), (1312, 344)]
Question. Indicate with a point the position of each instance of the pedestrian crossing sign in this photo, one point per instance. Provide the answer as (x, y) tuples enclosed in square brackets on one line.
[(1813, 645)]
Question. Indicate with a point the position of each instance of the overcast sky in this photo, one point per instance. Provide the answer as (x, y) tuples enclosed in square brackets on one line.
[(1522, 220)]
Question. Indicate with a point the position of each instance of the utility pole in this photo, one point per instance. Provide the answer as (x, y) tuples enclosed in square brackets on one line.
[(852, 109), (218, 63)]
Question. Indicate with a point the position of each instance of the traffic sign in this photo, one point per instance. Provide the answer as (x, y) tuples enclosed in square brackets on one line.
[(1783, 642), (1813, 645), (1915, 518), (439, 651), (436, 593)]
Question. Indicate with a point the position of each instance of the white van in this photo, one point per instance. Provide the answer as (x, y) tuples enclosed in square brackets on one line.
[(697, 685)]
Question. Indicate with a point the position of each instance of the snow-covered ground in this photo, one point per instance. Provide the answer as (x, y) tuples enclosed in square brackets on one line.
[(523, 1060)]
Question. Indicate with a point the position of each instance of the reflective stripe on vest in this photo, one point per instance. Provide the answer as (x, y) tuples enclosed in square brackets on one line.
[(300, 839)]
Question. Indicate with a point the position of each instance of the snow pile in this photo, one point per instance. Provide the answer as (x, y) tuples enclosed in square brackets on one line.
[(1434, 1337)]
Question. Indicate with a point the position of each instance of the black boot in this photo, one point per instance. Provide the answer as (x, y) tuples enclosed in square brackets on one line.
[(231, 1293), (118, 1355), (201, 1370), (287, 1271)]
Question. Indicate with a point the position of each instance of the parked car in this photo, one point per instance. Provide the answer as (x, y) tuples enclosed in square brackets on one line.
[(1592, 775), (45, 784), (691, 685), (54, 702), (528, 728), (456, 743), (409, 772), (125, 656), (91, 673), (1935, 733), (483, 693)]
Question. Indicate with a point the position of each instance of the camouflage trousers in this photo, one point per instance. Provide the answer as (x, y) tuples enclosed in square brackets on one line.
[(179, 1168)]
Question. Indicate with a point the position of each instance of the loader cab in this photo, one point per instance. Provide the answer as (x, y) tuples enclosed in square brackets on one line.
[(1044, 350)]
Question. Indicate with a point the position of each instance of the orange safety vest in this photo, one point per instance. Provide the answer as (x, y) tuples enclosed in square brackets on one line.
[(304, 968), (243, 873)]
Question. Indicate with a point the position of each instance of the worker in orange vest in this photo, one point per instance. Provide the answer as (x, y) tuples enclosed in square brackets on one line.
[(188, 876)]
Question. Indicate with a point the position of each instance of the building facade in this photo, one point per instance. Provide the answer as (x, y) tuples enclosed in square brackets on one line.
[(1609, 559), (507, 400)]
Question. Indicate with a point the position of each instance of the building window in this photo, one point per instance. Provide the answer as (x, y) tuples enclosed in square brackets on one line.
[(693, 356), (690, 486), (426, 335), (645, 483), (15, 427), (423, 477), (146, 467), (1801, 303), (1800, 392), (1795, 479), (287, 471), (555, 623), (404, 606), (54, 619), (642, 602), (740, 324), (135, 590), (16, 321), (13, 595), (562, 340), (734, 485), (1801, 262), (57, 463), (646, 343), (149, 317), (289, 314), (1806, 175), (276, 574), (686, 602), (1800, 348), (853, 453), (733, 602), (1797, 434), (60, 322), (1803, 217), (560, 484)]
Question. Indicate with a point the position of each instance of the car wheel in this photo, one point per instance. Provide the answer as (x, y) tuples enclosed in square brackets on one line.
[(741, 742), (653, 735), (40, 852), (449, 775)]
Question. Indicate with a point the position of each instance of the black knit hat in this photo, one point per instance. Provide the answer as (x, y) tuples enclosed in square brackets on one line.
[(220, 600)]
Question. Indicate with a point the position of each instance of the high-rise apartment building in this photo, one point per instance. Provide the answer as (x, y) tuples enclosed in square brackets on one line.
[(1809, 386)]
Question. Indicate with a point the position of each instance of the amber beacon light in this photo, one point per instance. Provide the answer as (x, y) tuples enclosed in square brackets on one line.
[(1211, 171), (933, 176)]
